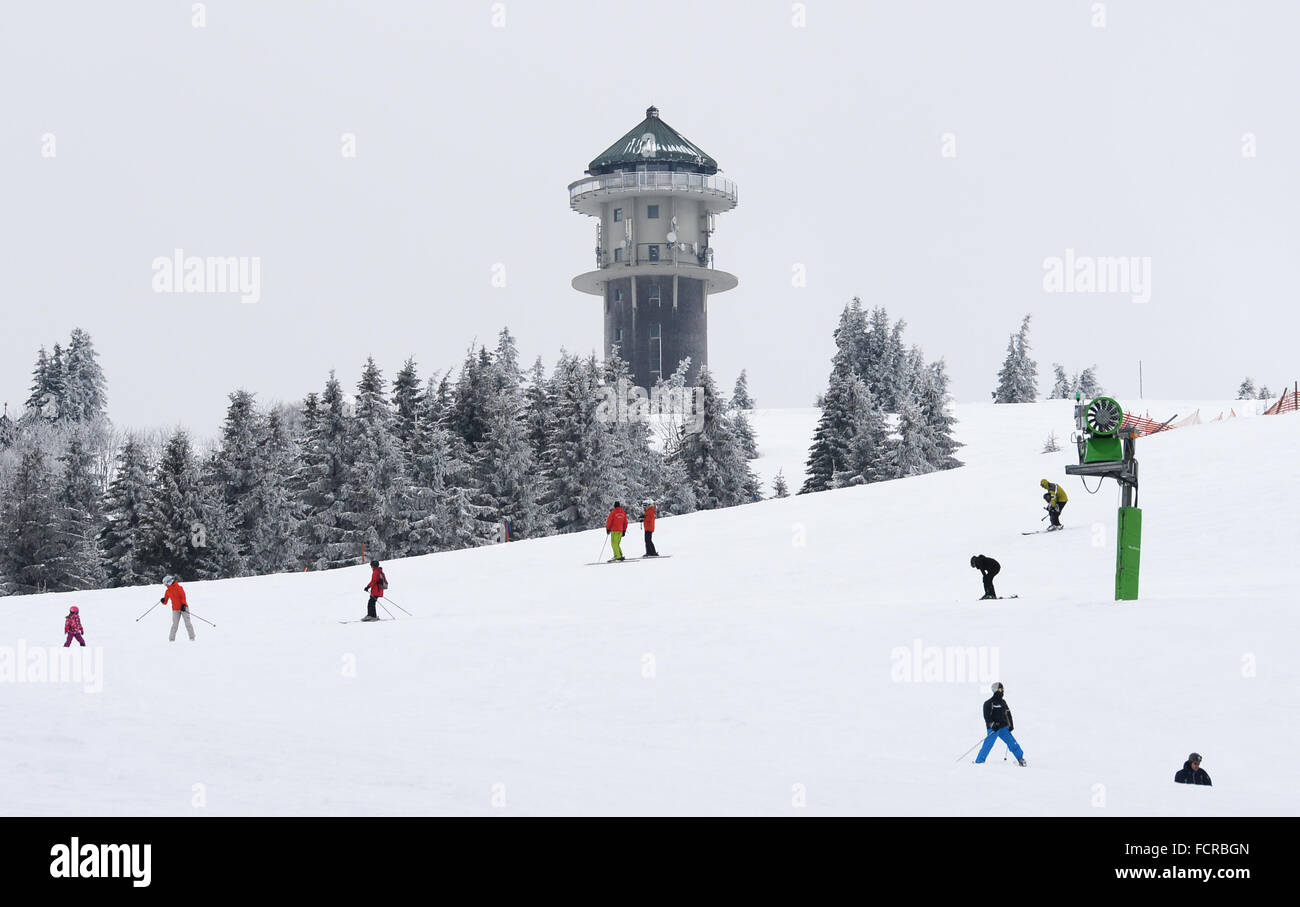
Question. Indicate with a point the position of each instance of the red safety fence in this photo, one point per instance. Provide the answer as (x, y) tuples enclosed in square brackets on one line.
[(1289, 402), (1141, 426), (1144, 426)]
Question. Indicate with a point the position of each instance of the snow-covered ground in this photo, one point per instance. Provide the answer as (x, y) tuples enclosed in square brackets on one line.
[(761, 670)]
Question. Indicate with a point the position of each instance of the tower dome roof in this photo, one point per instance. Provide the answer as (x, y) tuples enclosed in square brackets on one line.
[(652, 141)]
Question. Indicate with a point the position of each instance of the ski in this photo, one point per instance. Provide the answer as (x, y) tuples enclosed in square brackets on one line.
[(363, 621), (1041, 531), (626, 560), (657, 557), (999, 598)]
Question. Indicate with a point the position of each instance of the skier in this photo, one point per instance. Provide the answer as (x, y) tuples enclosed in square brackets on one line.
[(648, 524), (1056, 500), (378, 583), (180, 608), (615, 526), (1192, 773), (988, 569), (72, 626), (998, 720)]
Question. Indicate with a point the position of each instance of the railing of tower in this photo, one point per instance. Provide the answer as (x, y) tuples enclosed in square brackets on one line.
[(684, 182)]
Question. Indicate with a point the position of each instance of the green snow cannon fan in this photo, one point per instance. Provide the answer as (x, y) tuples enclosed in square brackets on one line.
[(1101, 424), (1107, 449)]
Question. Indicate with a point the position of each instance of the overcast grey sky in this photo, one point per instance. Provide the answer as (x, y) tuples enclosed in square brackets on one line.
[(1122, 140)]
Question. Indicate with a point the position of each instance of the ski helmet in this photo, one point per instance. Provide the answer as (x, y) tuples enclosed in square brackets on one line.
[(168, 580), (997, 688), (1044, 482), (972, 559), (1195, 757), (617, 505), (72, 610), (374, 563), (648, 502)]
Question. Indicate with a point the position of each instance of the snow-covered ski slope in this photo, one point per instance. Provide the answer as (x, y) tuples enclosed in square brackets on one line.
[(758, 671)]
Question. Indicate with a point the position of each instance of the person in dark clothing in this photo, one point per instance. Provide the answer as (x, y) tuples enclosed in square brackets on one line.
[(378, 583), (988, 569), (1192, 773), (648, 523), (1000, 724)]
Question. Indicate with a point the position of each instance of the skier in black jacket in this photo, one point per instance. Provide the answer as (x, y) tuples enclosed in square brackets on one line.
[(1000, 724), (1192, 773), (988, 569)]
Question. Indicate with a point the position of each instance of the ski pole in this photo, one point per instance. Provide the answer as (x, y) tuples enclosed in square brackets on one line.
[(141, 617), (967, 753), (600, 557), (204, 619), (386, 611), (390, 601)]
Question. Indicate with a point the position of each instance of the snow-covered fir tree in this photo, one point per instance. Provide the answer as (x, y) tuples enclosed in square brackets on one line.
[(79, 502), (1087, 384), (1062, 386), (31, 553), (1052, 444), (186, 527), (740, 397), (908, 454), (375, 505), (274, 541), (124, 536), (1018, 377), (713, 453), (322, 470), (1247, 390), (779, 487), (84, 394), (932, 399), (583, 474), (1264, 393)]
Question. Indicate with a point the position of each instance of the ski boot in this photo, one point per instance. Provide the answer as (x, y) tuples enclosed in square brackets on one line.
[(369, 617), (1022, 762)]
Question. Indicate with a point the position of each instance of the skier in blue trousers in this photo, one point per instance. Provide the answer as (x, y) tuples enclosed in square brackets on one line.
[(1000, 724)]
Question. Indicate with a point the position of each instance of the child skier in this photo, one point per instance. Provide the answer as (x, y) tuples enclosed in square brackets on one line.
[(378, 583), (988, 569), (1056, 500), (648, 524), (180, 608), (72, 626), (998, 720), (615, 526)]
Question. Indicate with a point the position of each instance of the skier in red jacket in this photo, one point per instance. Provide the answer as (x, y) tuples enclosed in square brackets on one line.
[(615, 526), (72, 626), (378, 583), (648, 523), (180, 608)]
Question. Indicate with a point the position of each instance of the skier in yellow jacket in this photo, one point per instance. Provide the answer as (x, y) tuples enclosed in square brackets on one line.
[(1056, 500)]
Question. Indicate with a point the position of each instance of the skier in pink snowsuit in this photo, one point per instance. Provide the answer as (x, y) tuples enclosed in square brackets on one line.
[(72, 626)]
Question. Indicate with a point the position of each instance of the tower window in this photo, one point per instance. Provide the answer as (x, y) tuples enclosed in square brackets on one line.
[(652, 211), (618, 295), (654, 297), (618, 254), (654, 252), (618, 215), (618, 335)]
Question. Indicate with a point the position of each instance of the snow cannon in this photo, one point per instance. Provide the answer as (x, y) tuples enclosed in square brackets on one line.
[(1107, 450)]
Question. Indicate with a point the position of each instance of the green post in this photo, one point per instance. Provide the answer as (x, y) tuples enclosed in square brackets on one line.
[(1128, 554)]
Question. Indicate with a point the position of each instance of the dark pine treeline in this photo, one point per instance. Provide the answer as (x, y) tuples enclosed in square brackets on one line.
[(395, 468)]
